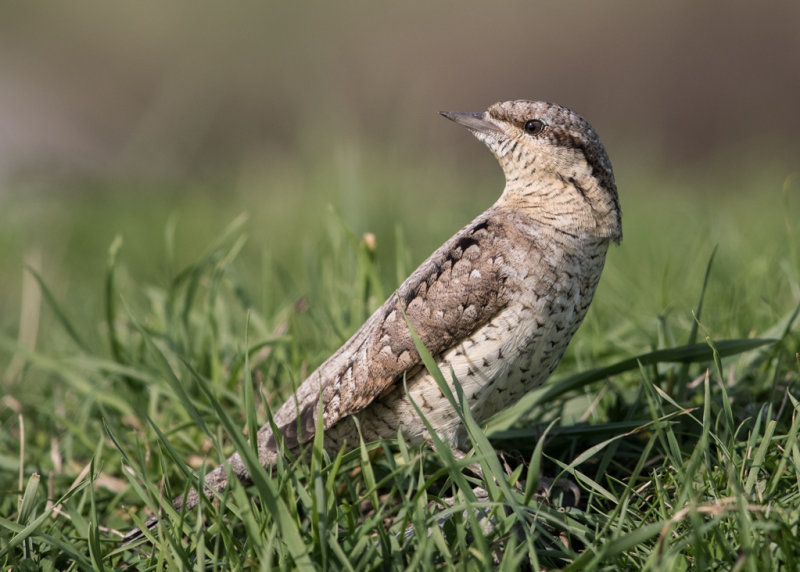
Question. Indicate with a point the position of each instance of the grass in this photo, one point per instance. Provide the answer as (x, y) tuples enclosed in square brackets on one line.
[(674, 410)]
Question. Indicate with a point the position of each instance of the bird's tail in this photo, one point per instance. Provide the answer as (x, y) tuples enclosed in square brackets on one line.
[(215, 481)]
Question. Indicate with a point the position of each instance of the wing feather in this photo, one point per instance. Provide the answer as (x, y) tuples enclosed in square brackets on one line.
[(459, 288)]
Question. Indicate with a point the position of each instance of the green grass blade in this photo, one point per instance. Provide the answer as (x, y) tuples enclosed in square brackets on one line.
[(59, 312), (683, 376), (172, 379), (249, 400), (110, 296), (615, 547), (28, 498), (269, 494), (21, 533), (534, 467), (789, 449), (95, 550), (684, 354)]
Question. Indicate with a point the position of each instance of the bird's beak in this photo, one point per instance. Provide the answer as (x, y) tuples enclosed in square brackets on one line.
[(474, 121)]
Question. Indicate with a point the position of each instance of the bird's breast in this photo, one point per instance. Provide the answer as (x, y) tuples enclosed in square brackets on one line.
[(521, 346)]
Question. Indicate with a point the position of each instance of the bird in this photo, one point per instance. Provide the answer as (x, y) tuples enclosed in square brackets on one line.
[(497, 304)]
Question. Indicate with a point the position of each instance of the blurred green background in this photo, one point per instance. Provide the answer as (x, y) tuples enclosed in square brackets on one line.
[(161, 122)]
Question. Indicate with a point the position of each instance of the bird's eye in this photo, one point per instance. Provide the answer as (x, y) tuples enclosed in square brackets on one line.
[(534, 126)]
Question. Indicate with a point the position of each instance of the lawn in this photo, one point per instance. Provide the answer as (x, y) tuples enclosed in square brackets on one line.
[(146, 325)]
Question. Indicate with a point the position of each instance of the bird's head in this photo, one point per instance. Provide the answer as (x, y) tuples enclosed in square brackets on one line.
[(554, 163)]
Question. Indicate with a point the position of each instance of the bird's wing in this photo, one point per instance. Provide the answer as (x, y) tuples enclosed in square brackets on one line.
[(460, 287)]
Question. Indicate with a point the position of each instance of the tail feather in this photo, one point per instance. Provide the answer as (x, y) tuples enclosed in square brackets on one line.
[(215, 482)]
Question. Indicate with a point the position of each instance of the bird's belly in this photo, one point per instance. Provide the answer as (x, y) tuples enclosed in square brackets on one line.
[(513, 354)]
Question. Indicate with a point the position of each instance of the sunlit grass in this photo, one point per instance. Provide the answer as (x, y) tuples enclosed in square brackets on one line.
[(150, 358)]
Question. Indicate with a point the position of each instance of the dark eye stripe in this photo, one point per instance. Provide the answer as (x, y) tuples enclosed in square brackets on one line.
[(592, 150)]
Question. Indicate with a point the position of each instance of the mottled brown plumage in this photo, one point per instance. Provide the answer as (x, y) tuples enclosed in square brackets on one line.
[(498, 302)]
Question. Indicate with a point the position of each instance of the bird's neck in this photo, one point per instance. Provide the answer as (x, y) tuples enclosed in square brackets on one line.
[(573, 204)]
